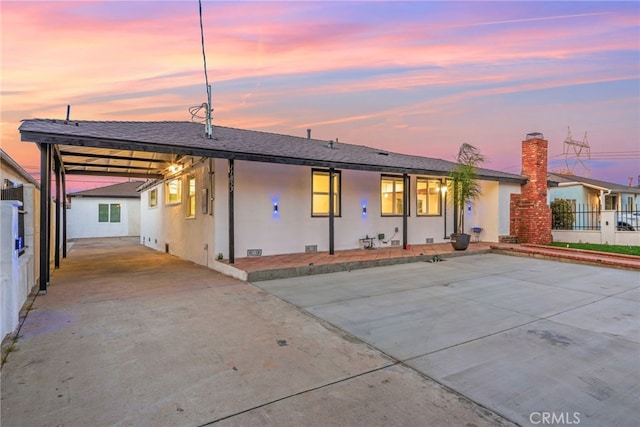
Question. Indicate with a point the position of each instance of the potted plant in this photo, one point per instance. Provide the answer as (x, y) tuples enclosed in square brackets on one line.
[(464, 187)]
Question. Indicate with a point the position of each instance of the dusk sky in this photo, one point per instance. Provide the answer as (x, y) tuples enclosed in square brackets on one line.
[(411, 77)]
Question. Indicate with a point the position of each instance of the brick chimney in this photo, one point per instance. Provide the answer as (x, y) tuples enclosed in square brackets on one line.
[(530, 213)]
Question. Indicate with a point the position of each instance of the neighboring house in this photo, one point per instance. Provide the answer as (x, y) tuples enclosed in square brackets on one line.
[(19, 240), (111, 211), (250, 193), (594, 193), (601, 212)]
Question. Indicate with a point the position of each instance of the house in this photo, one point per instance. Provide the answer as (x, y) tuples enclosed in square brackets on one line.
[(19, 239), (600, 212), (110, 211), (255, 193), (593, 193)]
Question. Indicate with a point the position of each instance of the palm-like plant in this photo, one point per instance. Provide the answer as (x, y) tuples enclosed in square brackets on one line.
[(463, 180)]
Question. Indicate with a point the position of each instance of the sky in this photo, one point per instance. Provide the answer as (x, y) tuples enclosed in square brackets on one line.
[(417, 77)]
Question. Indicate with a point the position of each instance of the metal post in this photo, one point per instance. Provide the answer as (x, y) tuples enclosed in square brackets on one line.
[(444, 202), (57, 205), (45, 189), (405, 209), (331, 214), (64, 214), (232, 257)]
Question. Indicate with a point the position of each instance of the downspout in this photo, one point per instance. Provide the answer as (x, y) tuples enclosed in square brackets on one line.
[(602, 196)]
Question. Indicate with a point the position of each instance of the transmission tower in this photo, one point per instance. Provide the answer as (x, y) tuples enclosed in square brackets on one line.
[(575, 153)]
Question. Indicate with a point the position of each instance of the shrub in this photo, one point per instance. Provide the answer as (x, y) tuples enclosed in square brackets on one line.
[(562, 215)]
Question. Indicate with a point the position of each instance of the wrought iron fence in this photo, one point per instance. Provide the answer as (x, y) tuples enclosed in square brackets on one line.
[(16, 193), (628, 219), (570, 216)]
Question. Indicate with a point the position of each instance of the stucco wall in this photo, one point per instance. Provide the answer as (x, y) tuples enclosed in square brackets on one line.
[(166, 227), (82, 218), (259, 185), (574, 192)]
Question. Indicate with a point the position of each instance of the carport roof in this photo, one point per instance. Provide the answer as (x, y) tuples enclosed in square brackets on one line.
[(146, 149)]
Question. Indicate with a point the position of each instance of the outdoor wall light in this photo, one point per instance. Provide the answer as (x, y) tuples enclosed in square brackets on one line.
[(175, 168), (275, 208), (364, 210)]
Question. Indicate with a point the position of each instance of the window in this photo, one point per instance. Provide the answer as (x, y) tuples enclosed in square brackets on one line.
[(320, 193), (391, 195), (191, 196), (109, 213), (610, 202), (114, 212), (173, 191), (428, 196), (103, 213), (153, 198)]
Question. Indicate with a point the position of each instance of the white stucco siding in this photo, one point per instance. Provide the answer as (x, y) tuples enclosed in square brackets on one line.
[(167, 227), (82, 218), (484, 212), (259, 185), (505, 191)]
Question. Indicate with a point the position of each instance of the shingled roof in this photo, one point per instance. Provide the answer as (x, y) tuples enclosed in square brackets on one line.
[(127, 190), (188, 138), (569, 179)]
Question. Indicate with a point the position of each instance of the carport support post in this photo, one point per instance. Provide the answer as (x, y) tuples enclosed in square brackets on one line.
[(45, 220), (58, 194), (405, 209), (232, 257), (331, 214), (64, 214)]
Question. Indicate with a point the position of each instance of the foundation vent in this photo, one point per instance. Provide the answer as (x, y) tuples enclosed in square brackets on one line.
[(429, 239), (254, 252), (395, 243), (308, 249)]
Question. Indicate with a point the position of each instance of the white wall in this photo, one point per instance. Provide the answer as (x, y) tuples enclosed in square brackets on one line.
[(504, 208), (167, 226), (607, 234), (259, 185), (82, 218), (10, 278)]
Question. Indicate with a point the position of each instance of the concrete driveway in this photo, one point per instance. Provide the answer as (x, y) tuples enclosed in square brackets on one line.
[(539, 342), (127, 336)]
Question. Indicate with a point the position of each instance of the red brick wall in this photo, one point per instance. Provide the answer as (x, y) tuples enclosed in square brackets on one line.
[(530, 214)]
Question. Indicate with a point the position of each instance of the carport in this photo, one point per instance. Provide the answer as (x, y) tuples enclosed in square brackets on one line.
[(149, 149)]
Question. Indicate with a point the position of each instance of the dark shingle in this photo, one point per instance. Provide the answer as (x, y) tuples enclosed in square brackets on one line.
[(122, 190), (230, 141)]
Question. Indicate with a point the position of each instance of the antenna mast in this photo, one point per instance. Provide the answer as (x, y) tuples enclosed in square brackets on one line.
[(209, 125)]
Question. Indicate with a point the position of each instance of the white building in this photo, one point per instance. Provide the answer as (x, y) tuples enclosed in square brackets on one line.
[(19, 240), (110, 211), (248, 193)]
